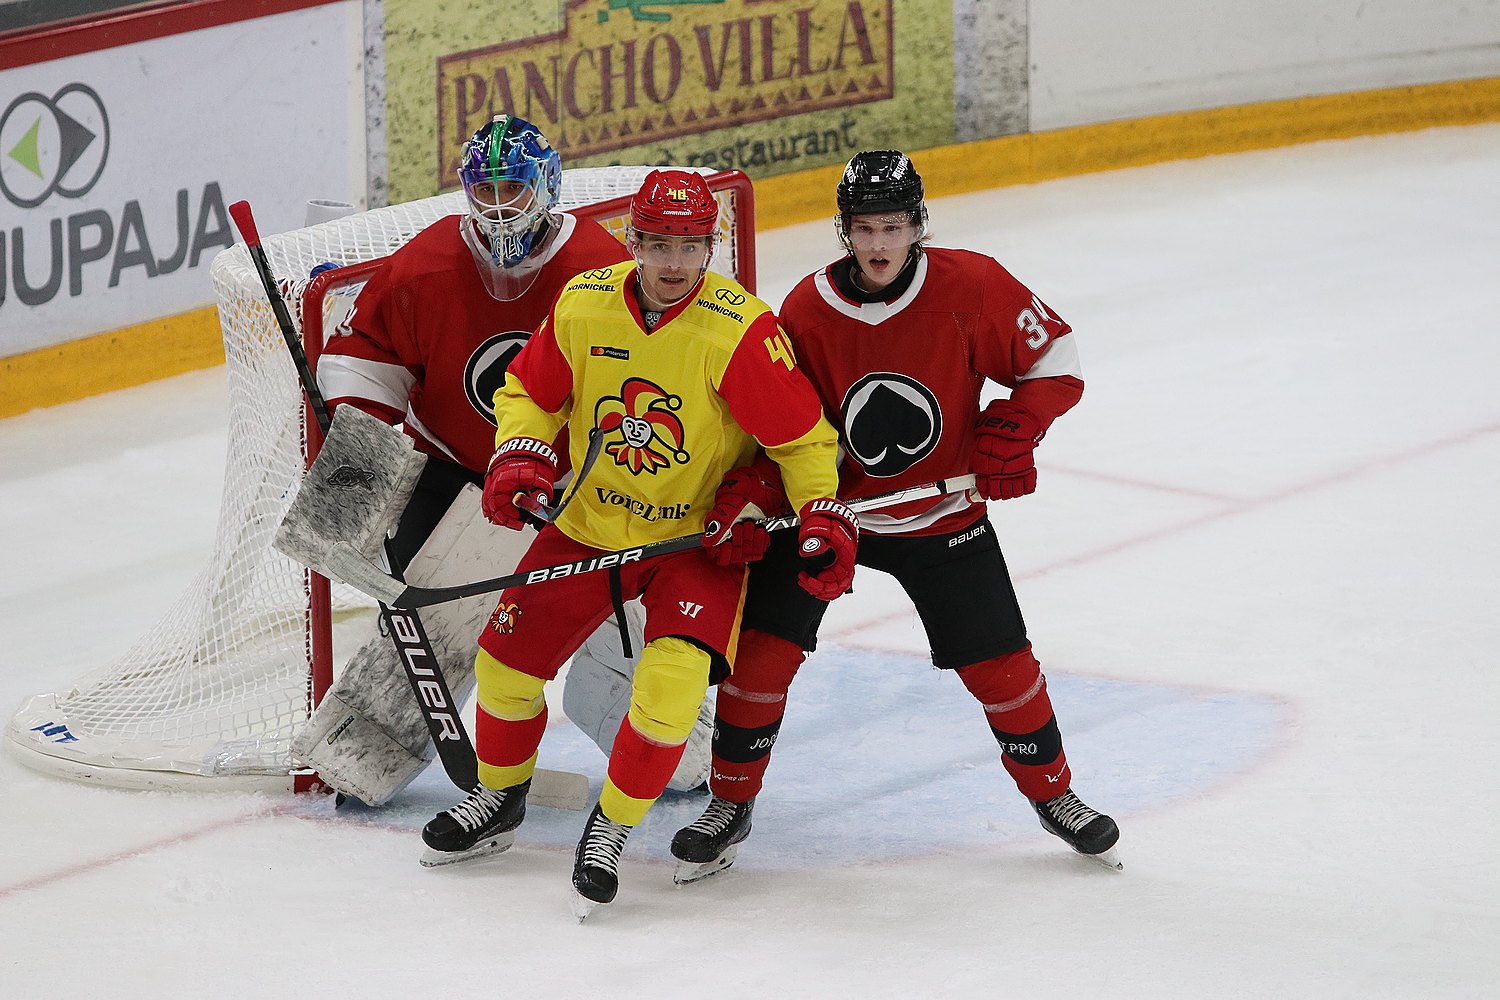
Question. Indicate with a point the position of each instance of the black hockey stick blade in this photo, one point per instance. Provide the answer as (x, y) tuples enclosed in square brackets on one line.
[(355, 569)]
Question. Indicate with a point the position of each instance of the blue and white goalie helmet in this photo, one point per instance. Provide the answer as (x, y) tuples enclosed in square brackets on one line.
[(513, 178)]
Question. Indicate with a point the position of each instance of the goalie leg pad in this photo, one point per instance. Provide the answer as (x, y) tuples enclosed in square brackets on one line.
[(356, 755), (367, 738), (697, 752), (373, 685), (596, 693)]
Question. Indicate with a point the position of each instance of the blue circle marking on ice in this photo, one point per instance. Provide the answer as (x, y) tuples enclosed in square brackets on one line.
[(882, 757)]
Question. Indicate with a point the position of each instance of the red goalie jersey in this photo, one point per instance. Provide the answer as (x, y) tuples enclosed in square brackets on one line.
[(428, 346), (901, 380)]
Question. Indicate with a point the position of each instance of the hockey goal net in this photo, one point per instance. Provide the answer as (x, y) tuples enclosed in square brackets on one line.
[(212, 695)]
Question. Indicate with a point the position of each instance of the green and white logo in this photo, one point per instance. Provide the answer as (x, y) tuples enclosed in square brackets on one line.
[(55, 145)]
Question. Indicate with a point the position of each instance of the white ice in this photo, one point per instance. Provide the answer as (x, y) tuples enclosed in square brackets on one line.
[(1260, 571)]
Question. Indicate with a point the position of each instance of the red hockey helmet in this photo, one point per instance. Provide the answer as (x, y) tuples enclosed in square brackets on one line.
[(674, 203)]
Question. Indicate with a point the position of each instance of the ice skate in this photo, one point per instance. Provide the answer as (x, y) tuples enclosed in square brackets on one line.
[(482, 824), (1087, 831), (596, 864), (708, 844)]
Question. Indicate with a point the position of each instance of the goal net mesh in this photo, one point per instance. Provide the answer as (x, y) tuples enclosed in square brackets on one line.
[(218, 686)]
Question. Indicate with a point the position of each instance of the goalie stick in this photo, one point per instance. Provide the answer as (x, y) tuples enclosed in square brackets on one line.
[(562, 789), (354, 568)]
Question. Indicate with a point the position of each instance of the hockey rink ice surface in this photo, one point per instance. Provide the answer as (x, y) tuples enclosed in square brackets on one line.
[(1260, 571)]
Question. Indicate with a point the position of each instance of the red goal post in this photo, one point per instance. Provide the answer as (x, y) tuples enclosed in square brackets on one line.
[(211, 695)]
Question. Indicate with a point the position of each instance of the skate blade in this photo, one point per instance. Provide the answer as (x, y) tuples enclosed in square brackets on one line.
[(689, 871), (1109, 859), (497, 844), (583, 906)]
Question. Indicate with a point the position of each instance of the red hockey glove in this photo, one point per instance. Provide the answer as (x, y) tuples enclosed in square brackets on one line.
[(1003, 464), (521, 468), (829, 538), (730, 532)]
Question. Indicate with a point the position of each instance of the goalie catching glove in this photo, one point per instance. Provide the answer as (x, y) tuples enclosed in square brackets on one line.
[(522, 469), (732, 533), (828, 541), (1006, 434)]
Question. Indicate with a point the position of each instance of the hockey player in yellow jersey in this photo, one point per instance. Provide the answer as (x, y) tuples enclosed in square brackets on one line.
[(684, 375)]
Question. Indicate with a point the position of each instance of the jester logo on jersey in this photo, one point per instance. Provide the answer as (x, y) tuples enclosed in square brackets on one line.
[(505, 618), (641, 432)]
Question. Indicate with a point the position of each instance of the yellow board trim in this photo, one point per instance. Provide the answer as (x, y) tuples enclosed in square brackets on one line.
[(1038, 156), (177, 344), (131, 356)]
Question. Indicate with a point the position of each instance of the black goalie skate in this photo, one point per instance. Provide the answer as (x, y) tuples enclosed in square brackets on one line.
[(708, 844), (1087, 831), (596, 864), (482, 824)]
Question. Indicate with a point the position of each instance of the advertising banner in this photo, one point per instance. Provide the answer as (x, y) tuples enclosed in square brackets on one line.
[(764, 86), (116, 166)]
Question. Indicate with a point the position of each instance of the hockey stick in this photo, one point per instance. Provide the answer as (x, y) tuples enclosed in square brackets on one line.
[(240, 212), (355, 569), (544, 514), (402, 625)]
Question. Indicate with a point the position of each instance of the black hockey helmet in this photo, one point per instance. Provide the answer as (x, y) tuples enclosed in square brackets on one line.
[(882, 180)]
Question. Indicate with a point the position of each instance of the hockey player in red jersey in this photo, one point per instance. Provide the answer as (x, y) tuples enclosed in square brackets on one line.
[(425, 347), (685, 376), (432, 331), (899, 338)]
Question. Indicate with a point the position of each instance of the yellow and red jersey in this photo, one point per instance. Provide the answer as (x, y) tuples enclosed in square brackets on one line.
[(679, 406)]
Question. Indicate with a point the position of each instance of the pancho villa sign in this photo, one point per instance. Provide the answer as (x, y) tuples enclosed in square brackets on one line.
[(622, 73)]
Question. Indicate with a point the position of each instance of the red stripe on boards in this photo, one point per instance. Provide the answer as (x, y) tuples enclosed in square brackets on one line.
[(26, 46)]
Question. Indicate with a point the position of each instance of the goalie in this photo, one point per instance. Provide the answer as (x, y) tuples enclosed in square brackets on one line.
[(425, 347)]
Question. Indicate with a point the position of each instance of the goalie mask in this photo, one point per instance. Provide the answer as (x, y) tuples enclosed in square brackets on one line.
[(513, 178), (883, 184)]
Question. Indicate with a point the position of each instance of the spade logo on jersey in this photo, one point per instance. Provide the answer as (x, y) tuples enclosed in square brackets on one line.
[(891, 422), (485, 370), (641, 431)]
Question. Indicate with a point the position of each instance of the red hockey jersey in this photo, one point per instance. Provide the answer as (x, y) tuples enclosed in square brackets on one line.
[(428, 346), (901, 380)]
